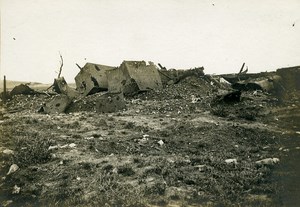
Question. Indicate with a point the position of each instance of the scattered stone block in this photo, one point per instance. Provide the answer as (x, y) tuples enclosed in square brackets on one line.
[(60, 86), (110, 102), (58, 104), (267, 161)]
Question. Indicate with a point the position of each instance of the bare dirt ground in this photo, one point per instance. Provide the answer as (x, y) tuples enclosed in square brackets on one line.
[(174, 147)]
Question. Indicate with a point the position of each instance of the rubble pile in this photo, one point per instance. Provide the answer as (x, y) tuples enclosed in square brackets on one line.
[(30, 103), (250, 106), (136, 135), (87, 103), (99, 102), (97, 83), (190, 86), (177, 90), (22, 89), (192, 94)]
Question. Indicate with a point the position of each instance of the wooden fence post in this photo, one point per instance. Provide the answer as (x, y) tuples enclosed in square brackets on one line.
[(4, 89)]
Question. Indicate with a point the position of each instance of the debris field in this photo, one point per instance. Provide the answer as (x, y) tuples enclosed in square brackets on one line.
[(139, 135)]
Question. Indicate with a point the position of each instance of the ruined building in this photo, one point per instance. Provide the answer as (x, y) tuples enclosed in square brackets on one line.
[(133, 76), (92, 78)]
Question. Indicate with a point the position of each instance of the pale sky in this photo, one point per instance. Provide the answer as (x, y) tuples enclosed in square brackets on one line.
[(217, 34)]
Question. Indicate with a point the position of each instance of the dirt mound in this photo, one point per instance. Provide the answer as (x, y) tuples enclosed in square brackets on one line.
[(189, 86)]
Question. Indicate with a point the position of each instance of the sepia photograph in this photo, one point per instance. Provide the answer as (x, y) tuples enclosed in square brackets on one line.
[(149, 103)]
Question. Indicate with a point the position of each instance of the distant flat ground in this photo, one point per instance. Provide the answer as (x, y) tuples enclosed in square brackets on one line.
[(34, 85)]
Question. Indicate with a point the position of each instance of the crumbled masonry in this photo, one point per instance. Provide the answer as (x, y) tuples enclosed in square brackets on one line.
[(92, 78), (60, 86), (177, 138), (58, 104), (133, 76)]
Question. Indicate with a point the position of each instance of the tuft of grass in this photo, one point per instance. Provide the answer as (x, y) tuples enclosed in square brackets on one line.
[(219, 111), (126, 170), (31, 151)]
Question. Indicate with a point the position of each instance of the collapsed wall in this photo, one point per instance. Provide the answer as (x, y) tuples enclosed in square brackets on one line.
[(290, 83), (92, 78), (290, 77), (133, 76), (58, 104), (60, 86)]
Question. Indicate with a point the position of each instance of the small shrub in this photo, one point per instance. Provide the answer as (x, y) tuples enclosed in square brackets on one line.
[(129, 125), (31, 151), (126, 170), (219, 111)]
